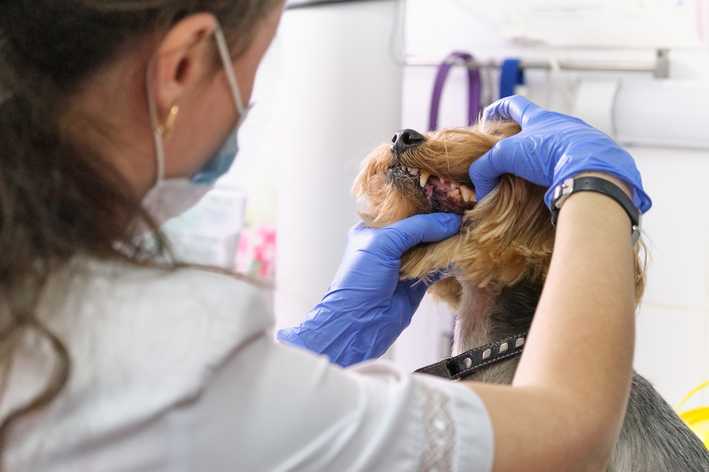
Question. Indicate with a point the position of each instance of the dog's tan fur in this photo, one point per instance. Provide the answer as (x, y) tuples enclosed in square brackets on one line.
[(506, 238), (494, 270)]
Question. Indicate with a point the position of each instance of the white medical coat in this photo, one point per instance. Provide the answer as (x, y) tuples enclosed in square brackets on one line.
[(179, 371)]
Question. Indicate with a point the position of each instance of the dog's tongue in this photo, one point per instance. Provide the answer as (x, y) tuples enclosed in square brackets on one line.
[(449, 197)]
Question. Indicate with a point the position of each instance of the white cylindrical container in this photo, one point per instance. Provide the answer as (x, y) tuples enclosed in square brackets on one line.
[(595, 101), (665, 113), (342, 98)]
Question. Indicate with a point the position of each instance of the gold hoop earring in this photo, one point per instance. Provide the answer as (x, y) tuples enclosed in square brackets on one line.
[(166, 129)]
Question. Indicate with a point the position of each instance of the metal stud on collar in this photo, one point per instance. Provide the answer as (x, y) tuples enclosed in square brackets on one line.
[(466, 364)]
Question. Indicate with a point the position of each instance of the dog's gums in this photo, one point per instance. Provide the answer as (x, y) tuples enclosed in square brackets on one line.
[(448, 196), (440, 195)]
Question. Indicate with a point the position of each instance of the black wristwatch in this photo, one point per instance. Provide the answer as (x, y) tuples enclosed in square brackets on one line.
[(606, 187)]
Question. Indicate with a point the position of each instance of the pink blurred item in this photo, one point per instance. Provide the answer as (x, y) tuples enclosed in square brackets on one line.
[(257, 251)]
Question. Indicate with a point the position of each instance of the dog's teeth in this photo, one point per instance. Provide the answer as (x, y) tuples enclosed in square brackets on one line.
[(424, 178), (468, 195), (442, 181), (454, 185), (454, 193), (413, 170)]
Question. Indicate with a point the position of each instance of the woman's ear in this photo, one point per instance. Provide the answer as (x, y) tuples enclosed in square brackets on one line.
[(182, 60)]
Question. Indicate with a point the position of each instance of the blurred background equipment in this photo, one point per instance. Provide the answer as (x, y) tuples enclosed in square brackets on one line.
[(208, 233)]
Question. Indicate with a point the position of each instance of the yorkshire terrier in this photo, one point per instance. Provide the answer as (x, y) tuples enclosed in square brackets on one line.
[(496, 265)]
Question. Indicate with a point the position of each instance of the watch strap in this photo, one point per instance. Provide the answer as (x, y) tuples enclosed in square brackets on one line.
[(599, 185)]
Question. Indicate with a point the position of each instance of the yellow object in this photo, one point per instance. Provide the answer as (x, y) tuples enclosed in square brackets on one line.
[(697, 419)]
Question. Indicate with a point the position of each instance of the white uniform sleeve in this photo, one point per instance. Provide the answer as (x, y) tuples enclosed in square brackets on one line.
[(275, 408)]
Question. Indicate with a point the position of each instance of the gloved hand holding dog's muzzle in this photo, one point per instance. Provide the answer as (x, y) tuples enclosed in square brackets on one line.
[(550, 149), (366, 307)]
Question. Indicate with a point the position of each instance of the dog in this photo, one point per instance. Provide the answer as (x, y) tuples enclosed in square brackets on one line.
[(495, 268)]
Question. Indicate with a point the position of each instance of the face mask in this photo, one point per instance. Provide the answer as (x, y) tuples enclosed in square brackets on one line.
[(171, 197)]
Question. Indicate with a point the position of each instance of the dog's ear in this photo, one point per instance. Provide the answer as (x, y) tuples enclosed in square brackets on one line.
[(508, 235)]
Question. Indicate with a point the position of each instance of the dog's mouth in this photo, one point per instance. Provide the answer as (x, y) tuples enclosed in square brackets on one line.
[(441, 195)]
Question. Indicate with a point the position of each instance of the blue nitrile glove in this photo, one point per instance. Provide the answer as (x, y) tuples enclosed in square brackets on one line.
[(551, 148), (366, 308)]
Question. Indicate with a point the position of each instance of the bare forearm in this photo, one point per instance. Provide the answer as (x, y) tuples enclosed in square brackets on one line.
[(581, 343), (573, 380)]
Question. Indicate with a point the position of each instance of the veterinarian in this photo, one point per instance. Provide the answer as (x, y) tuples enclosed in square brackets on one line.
[(117, 114)]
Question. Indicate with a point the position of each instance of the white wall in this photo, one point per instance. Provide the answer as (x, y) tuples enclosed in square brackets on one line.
[(342, 97), (255, 168), (325, 95), (673, 324), (672, 347)]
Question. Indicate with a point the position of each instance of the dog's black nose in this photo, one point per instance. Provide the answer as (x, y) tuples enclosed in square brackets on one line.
[(406, 139)]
